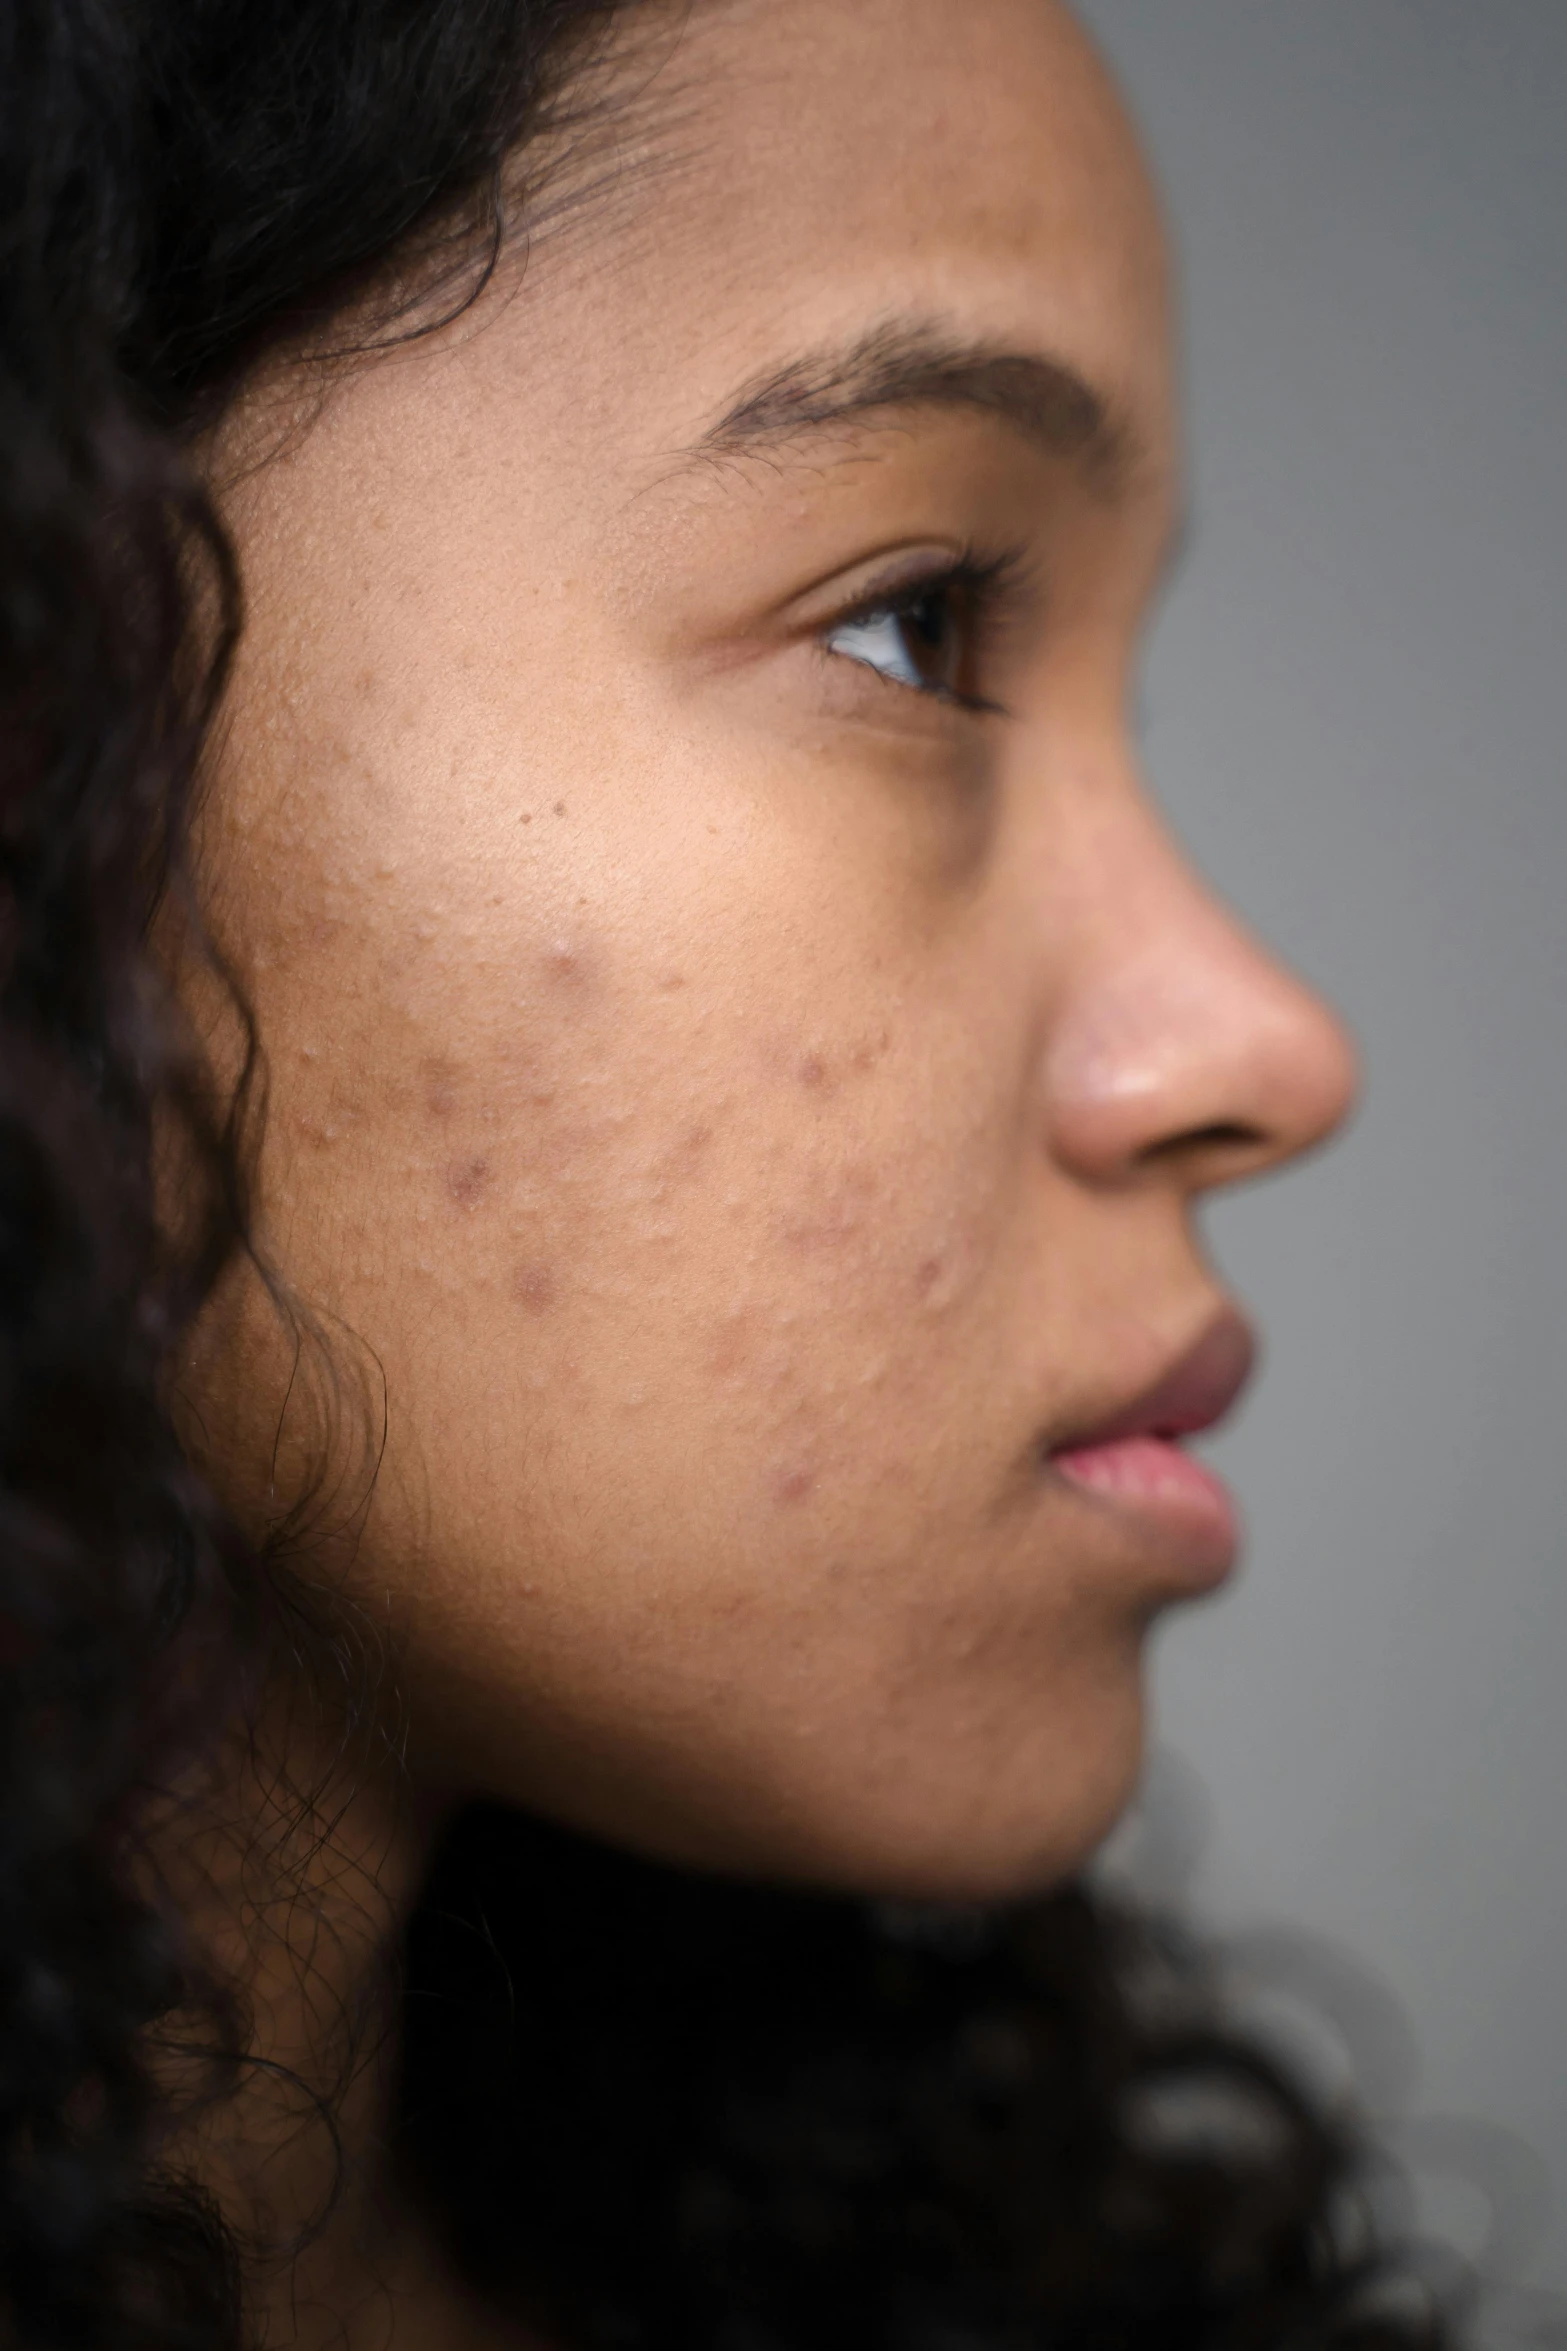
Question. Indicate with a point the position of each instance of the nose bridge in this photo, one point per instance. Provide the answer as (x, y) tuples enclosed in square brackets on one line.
[(1179, 1039)]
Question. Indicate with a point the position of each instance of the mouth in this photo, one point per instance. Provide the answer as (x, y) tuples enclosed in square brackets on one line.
[(1134, 1462)]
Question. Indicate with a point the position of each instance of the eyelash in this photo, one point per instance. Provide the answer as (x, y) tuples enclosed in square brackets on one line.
[(987, 582)]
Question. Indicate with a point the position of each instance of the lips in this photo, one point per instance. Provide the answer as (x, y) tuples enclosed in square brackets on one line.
[(1133, 1463)]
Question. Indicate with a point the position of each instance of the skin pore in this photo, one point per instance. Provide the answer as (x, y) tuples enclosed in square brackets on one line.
[(743, 1053)]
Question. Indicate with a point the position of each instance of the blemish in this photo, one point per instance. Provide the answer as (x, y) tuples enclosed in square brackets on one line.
[(671, 981), (534, 1288), (559, 808), (467, 1180), (792, 1486), (812, 1073), (526, 816)]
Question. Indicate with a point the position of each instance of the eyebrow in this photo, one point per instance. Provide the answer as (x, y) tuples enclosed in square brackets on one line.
[(915, 364)]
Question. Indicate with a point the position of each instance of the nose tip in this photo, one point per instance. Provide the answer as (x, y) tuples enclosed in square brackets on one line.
[(1198, 1056), (1327, 1076)]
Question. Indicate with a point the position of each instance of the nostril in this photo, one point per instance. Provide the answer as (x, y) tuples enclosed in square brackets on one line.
[(1221, 1135)]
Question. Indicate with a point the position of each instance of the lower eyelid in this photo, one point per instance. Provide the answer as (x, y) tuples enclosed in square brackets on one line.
[(920, 708)]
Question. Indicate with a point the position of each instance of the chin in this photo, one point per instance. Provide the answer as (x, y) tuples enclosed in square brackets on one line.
[(999, 1852), (992, 1822)]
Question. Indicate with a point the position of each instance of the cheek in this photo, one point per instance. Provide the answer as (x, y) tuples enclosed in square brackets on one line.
[(629, 1148), (599, 1218)]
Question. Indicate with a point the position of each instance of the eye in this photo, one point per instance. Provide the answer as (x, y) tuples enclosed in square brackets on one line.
[(928, 636)]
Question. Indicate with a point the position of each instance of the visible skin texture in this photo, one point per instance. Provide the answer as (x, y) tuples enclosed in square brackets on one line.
[(751, 1109)]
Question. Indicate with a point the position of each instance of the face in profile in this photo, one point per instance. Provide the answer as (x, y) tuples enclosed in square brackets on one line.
[(744, 1054)]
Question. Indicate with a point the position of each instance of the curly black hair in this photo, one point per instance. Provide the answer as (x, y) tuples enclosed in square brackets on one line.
[(645, 2108)]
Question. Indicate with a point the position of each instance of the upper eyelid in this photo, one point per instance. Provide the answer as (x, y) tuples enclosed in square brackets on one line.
[(988, 575)]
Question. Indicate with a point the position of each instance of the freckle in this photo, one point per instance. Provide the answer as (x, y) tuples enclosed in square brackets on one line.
[(928, 1276), (526, 817), (813, 1072), (534, 1288), (559, 808), (671, 981), (467, 1181)]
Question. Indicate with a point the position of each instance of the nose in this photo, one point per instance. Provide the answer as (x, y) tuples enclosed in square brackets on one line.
[(1180, 1046)]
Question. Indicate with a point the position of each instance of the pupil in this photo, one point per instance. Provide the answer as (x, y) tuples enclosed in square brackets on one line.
[(929, 622)]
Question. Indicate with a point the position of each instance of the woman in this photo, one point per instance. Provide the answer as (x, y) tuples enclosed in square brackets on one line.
[(603, 1110)]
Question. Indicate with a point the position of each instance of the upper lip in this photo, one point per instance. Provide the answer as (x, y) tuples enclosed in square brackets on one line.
[(1194, 1393)]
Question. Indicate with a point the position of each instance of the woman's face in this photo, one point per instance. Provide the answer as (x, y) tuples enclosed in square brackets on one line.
[(744, 1053)]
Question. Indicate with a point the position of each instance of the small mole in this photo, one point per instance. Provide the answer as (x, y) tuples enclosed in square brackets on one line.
[(813, 1073), (560, 808), (526, 817), (793, 1486)]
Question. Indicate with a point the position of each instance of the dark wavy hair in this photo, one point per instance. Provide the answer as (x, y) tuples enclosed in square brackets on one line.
[(646, 2108)]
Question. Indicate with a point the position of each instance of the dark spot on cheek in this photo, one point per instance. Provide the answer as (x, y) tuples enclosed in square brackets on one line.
[(793, 1485), (559, 808), (534, 1287), (467, 1180), (566, 965), (812, 1073)]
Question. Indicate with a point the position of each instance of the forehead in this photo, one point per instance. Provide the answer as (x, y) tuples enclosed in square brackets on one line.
[(794, 170)]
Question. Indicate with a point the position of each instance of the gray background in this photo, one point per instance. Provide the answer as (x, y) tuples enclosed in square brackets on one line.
[(1356, 711)]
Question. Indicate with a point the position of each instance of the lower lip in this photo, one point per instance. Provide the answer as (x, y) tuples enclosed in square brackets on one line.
[(1152, 1479)]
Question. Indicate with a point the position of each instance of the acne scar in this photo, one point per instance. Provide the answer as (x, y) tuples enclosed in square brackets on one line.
[(467, 1180), (534, 1288)]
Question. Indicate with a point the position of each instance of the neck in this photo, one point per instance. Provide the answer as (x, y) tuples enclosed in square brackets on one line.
[(297, 1880)]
